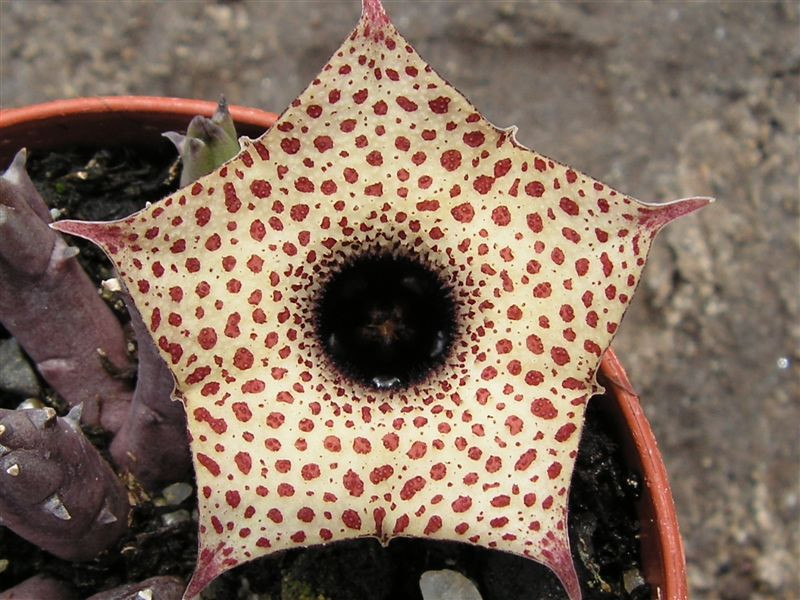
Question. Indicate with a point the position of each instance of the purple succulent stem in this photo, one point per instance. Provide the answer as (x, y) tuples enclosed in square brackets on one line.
[(56, 491), (158, 588), (51, 307), (39, 586), (152, 444)]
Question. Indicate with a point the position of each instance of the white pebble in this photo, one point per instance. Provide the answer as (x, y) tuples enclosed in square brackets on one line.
[(447, 585), (173, 518), (112, 285), (176, 493)]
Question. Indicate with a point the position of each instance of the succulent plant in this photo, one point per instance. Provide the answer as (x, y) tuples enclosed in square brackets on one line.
[(155, 588), (39, 586), (39, 278), (40, 281), (56, 490), (152, 443), (384, 317), (207, 144)]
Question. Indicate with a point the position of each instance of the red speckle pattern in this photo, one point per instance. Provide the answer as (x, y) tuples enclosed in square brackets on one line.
[(380, 152)]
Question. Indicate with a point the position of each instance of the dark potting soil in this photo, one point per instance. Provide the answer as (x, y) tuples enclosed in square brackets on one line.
[(603, 525)]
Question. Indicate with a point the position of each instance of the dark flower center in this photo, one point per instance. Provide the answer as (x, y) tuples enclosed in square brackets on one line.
[(386, 321)]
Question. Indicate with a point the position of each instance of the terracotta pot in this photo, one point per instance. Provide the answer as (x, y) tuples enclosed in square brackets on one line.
[(142, 119)]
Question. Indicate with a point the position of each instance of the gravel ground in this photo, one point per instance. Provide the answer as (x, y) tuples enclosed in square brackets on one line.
[(660, 99)]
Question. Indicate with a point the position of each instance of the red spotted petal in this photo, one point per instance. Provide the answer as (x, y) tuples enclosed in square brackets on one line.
[(379, 151)]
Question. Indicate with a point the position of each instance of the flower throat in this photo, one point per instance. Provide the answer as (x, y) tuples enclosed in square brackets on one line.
[(386, 321)]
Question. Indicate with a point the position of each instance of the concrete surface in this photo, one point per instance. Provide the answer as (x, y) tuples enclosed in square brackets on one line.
[(660, 99)]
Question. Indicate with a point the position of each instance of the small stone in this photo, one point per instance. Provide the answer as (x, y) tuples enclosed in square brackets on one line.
[(447, 585), (112, 285), (30, 403), (173, 518), (632, 579), (17, 376), (176, 493)]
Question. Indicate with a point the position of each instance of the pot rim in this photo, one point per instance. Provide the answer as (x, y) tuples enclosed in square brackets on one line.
[(57, 109), (66, 122), (666, 572)]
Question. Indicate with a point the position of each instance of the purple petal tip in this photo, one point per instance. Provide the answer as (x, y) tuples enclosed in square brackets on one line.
[(374, 13), (207, 569), (654, 216), (106, 235)]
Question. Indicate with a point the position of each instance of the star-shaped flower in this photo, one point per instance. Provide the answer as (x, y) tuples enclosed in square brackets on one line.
[(381, 157)]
